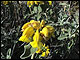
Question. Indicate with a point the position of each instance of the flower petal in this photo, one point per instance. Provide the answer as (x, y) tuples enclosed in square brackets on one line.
[(44, 31), (36, 37), (24, 39), (42, 23), (43, 54), (29, 31), (26, 25)]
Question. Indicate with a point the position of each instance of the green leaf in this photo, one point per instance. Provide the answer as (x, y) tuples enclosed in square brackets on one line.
[(33, 50), (69, 32), (2, 56), (32, 12), (8, 57), (9, 51), (39, 9), (38, 17), (26, 52), (8, 54), (65, 16), (51, 11), (70, 44), (62, 37), (25, 16), (35, 9), (40, 56), (62, 4)]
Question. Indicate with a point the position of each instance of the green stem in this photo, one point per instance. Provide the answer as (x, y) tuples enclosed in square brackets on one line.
[(32, 56), (30, 9)]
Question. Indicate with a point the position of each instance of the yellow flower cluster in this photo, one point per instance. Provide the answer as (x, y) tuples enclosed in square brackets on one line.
[(32, 34), (44, 52), (30, 3), (5, 2)]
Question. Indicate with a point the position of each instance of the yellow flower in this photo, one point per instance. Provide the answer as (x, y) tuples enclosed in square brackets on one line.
[(50, 28), (47, 52), (41, 2), (38, 51), (29, 31), (43, 54), (50, 2), (42, 23), (30, 3), (36, 44), (35, 24), (26, 25), (51, 31), (5, 2), (46, 47), (47, 32), (36, 40), (44, 31), (36, 37), (24, 39), (36, 2)]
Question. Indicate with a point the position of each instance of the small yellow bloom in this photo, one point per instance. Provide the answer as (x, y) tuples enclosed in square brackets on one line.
[(36, 2), (41, 2), (24, 39), (43, 54), (50, 2), (30, 3), (38, 51), (47, 52), (44, 31), (5, 2), (46, 47), (42, 23)]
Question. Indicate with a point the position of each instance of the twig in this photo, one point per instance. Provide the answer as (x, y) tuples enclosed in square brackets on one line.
[(32, 56), (56, 45)]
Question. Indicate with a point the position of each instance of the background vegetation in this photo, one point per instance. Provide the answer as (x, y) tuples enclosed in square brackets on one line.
[(62, 15)]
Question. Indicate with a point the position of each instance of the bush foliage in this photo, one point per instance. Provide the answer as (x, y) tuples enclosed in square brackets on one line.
[(62, 15)]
